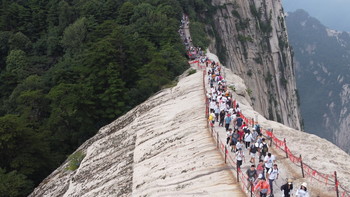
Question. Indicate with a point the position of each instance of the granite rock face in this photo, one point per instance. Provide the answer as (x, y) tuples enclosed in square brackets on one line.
[(160, 148), (250, 38)]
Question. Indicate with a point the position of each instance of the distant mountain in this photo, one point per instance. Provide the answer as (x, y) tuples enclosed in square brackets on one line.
[(322, 60), (333, 14)]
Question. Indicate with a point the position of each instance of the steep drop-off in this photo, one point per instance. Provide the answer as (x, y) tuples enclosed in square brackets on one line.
[(160, 148), (251, 38)]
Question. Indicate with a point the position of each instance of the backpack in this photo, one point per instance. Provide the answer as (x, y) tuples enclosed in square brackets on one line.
[(264, 148), (253, 148)]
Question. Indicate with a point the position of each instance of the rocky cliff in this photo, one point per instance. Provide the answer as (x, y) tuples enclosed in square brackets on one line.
[(251, 38)]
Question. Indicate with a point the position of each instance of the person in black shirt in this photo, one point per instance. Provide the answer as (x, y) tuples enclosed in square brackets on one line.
[(251, 173), (287, 188)]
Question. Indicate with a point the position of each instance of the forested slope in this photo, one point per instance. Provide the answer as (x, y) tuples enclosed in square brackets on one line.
[(69, 67)]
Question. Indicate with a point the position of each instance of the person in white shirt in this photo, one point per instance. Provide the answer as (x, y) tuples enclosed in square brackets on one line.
[(230, 110), (228, 137), (302, 192), (269, 160), (224, 99), (222, 106), (273, 175), (240, 144), (239, 157), (212, 105), (217, 111), (248, 137)]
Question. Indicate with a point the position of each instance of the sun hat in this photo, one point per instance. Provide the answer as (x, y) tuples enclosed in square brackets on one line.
[(304, 184)]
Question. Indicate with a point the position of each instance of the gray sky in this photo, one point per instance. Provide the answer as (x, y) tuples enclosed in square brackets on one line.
[(334, 14)]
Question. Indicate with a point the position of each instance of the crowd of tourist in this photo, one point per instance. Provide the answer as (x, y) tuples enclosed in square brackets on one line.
[(225, 113)]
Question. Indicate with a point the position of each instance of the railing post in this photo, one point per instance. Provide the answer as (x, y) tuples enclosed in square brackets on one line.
[(269, 137), (237, 173), (225, 153), (271, 140), (285, 147), (217, 139), (251, 188), (336, 183), (301, 165)]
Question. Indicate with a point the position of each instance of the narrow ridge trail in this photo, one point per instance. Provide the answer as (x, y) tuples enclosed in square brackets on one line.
[(286, 168)]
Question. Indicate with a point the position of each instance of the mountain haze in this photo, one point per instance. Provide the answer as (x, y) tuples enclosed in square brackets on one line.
[(332, 13), (323, 77)]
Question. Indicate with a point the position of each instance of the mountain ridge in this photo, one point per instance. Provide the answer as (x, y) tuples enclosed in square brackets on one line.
[(167, 152), (322, 56), (152, 150)]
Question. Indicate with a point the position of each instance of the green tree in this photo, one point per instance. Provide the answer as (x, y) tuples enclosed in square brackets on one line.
[(125, 13), (13, 184), (19, 41), (153, 75), (65, 14), (74, 36), (21, 148), (17, 63), (69, 113)]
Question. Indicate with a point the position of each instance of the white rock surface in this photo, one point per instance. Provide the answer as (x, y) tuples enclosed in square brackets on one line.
[(160, 148)]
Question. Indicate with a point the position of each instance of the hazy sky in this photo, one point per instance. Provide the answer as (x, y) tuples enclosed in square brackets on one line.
[(334, 14)]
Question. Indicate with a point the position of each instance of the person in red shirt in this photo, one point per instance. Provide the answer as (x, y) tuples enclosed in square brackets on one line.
[(241, 134), (262, 187)]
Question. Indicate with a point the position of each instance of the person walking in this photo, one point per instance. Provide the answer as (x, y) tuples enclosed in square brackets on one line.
[(238, 121), (302, 192), (212, 119), (240, 157), (228, 120), (252, 175), (222, 117), (269, 160), (264, 148), (253, 149), (273, 175), (240, 144), (234, 140), (248, 138), (260, 168), (262, 187), (217, 112), (228, 137), (287, 188)]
